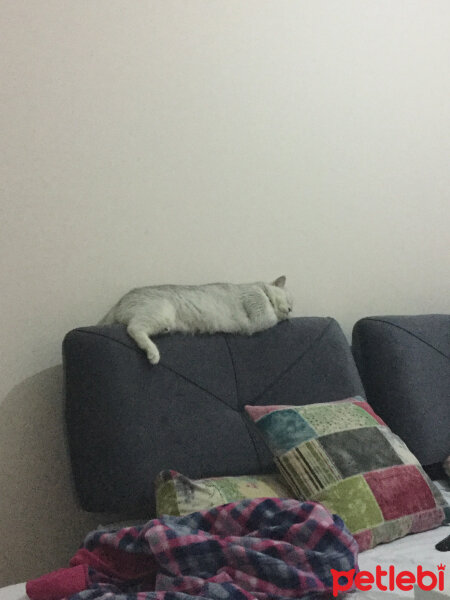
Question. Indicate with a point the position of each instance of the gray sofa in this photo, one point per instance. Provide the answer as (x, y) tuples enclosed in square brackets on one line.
[(127, 420), (404, 363)]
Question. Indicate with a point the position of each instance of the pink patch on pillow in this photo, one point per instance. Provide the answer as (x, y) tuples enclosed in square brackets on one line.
[(256, 412), (369, 409), (389, 485), (364, 539), (428, 519)]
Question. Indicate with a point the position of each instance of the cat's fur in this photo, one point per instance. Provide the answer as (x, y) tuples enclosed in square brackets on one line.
[(212, 308)]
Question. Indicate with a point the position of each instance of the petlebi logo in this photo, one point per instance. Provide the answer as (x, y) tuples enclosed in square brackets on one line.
[(388, 579)]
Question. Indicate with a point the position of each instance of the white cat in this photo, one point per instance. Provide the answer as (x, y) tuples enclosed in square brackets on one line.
[(216, 307)]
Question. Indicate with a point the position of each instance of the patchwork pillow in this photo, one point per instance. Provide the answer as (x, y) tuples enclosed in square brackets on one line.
[(344, 456), (178, 495)]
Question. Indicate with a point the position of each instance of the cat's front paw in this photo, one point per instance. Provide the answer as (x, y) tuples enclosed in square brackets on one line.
[(153, 357)]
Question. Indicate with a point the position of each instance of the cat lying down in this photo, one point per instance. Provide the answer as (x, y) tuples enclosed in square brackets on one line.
[(243, 308)]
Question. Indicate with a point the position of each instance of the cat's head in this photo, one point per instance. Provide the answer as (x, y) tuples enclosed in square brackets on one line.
[(280, 298)]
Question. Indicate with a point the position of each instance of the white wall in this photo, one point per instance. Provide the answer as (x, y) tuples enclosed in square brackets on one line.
[(191, 141)]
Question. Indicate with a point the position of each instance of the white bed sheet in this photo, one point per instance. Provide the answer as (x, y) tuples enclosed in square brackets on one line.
[(405, 554), (14, 592)]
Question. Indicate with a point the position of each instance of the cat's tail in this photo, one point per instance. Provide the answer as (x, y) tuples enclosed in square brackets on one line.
[(108, 319)]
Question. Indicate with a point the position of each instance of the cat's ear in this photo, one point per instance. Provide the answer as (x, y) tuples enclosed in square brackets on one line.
[(280, 281)]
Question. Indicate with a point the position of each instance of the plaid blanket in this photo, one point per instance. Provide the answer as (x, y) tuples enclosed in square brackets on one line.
[(265, 549)]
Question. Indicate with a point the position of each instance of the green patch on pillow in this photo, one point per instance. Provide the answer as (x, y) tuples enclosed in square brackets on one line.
[(354, 502), (178, 495), (331, 418)]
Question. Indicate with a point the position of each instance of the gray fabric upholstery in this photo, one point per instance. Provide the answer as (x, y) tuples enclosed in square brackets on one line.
[(127, 420), (404, 362)]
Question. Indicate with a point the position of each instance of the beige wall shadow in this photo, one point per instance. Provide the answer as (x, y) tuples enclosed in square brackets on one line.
[(41, 524)]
